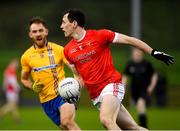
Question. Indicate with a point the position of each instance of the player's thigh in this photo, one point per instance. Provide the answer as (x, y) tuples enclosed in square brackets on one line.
[(67, 111), (125, 120), (12, 97), (109, 107)]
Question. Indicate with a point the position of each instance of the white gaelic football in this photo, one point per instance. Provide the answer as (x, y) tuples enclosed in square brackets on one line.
[(69, 88)]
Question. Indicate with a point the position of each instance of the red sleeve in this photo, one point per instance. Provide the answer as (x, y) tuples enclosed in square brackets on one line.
[(107, 35)]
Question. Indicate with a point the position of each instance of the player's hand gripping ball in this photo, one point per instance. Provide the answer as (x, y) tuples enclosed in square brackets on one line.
[(69, 90)]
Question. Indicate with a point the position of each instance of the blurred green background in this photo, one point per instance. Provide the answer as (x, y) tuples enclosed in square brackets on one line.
[(160, 29)]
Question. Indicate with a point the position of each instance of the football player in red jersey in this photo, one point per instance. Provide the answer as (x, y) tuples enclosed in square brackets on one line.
[(89, 54), (12, 91)]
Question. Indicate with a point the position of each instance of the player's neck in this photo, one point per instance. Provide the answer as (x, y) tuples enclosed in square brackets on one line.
[(41, 46), (79, 34)]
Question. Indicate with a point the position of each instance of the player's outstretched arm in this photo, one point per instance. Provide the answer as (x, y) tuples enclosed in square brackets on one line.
[(124, 39)]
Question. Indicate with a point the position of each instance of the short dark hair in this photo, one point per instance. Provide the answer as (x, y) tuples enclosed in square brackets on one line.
[(76, 15), (37, 19)]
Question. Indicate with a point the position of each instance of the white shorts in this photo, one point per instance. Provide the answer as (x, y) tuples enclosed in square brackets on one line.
[(12, 96), (115, 89)]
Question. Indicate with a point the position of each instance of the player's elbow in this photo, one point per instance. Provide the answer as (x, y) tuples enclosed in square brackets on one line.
[(26, 83)]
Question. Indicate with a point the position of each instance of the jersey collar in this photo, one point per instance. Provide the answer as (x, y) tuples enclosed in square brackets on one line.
[(84, 34)]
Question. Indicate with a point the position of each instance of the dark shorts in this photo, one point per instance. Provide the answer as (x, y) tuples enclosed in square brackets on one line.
[(139, 93), (51, 108)]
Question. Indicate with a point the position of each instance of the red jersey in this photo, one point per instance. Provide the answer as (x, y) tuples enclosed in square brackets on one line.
[(93, 61), (10, 80)]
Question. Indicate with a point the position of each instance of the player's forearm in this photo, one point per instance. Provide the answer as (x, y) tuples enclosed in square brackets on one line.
[(140, 44), (78, 77), (76, 74), (27, 83), (124, 80), (153, 81), (73, 69)]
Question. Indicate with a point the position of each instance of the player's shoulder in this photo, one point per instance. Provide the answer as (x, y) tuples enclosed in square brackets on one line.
[(97, 30), (55, 46), (28, 51), (130, 63), (146, 62), (100, 33)]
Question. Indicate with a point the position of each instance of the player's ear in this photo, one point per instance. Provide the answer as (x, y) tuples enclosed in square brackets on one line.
[(47, 31), (75, 24), (30, 34)]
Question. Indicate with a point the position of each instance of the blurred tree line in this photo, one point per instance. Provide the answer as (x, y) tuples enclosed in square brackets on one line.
[(160, 20)]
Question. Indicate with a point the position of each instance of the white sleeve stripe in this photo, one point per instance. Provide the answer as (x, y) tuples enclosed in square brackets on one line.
[(72, 65), (115, 38)]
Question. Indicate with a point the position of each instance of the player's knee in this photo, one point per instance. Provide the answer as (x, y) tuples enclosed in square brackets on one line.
[(106, 121), (66, 122)]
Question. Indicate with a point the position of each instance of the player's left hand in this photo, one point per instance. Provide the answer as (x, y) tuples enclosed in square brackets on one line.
[(72, 99), (166, 58), (37, 86)]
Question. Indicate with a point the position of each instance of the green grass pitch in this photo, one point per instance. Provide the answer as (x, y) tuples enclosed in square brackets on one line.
[(33, 118)]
